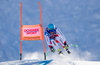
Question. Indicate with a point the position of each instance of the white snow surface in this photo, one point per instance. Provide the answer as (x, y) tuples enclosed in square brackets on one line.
[(54, 62), (52, 59)]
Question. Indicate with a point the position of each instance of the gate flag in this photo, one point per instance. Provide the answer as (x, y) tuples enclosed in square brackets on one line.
[(31, 32)]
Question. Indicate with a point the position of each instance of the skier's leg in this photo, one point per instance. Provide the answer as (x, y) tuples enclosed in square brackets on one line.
[(59, 40), (49, 44), (63, 43), (51, 48), (66, 47), (56, 46)]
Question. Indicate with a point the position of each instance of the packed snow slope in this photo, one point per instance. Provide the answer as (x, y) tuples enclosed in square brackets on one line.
[(49, 62), (60, 60), (79, 20), (52, 60)]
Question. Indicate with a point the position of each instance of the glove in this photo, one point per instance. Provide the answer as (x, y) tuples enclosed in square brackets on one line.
[(52, 37)]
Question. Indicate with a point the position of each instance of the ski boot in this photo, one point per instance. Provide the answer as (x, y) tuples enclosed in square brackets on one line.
[(66, 48), (52, 49), (59, 51), (68, 51)]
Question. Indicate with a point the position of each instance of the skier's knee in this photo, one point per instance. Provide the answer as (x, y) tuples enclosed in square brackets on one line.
[(65, 43)]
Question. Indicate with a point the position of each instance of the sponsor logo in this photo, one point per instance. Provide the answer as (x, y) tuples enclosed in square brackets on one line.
[(31, 31)]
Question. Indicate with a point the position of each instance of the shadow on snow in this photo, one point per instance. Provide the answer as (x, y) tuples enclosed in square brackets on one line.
[(39, 62)]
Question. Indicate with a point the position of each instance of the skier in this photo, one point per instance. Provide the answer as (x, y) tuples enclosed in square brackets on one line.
[(54, 36)]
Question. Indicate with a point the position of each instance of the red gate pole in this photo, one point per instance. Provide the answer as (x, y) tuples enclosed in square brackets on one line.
[(21, 34), (42, 31)]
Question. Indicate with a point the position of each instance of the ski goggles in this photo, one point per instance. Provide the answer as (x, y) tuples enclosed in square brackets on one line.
[(52, 30)]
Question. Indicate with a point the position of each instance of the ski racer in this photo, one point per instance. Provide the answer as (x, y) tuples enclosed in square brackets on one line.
[(54, 36)]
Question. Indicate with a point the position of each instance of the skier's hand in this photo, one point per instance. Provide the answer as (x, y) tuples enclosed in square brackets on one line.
[(52, 37)]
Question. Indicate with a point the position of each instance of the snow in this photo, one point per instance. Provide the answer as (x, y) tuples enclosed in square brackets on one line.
[(49, 62), (52, 59)]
